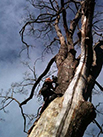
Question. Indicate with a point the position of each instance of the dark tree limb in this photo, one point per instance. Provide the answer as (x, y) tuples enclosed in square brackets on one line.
[(69, 32), (98, 125), (65, 56), (52, 6), (11, 98), (74, 22), (38, 80), (62, 54), (64, 19), (101, 88), (95, 69)]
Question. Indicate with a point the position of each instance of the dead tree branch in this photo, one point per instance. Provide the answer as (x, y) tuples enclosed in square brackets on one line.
[(38, 80), (98, 125), (14, 99), (101, 88), (64, 19)]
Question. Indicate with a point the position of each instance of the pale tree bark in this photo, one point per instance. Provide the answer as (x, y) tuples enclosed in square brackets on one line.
[(69, 115)]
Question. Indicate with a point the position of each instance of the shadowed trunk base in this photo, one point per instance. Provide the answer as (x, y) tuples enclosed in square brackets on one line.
[(83, 115)]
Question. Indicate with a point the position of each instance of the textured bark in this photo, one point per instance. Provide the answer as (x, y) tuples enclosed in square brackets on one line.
[(82, 117), (95, 69), (63, 51), (66, 72), (54, 120), (65, 59), (69, 115)]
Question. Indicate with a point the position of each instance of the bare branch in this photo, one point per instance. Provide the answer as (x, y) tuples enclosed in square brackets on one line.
[(101, 88), (64, 19), (6, 104), (49, 46), (99, 34), (75, 1), (101, 130), (38, 80), (14, 99), (63, 48), (52, 5), (97, 21), (74, 22), (23, 115), (7, 97)]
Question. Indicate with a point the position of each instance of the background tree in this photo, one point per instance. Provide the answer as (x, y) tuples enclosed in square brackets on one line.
[(65, 25)]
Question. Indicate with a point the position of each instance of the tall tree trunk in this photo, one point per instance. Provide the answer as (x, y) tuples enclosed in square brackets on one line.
[(69, 115)]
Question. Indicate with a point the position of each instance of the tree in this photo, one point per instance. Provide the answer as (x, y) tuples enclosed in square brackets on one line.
[(70, 114)]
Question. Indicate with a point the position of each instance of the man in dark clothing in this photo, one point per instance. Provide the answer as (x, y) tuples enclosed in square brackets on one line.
[(47, 91)]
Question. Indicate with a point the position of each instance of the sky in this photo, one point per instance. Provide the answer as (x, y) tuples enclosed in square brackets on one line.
[(11, 68), (12, 14)]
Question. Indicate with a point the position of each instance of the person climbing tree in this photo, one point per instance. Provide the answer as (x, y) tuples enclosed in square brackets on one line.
[(47, 89), (48, 92)]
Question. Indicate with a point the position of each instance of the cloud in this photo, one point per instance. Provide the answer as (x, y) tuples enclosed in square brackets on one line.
[(11, 69)]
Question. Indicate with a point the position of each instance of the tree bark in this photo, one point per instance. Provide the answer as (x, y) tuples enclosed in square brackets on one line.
[(69, 115), (95, 68)]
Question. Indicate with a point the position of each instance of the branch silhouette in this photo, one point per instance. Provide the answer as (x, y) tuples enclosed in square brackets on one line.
[(38, 80)]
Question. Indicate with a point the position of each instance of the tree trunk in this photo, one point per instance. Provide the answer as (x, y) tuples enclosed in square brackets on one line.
[(61, 120), (69, 115)]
